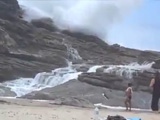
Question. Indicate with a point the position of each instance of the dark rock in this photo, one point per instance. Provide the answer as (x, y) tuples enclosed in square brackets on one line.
[(29, 48), (104, 80), (25, 59), (9, 9), (81, 67), (24, 47), (156, 65), (81, 94), (140, 80), (143, 78), (45, 23)]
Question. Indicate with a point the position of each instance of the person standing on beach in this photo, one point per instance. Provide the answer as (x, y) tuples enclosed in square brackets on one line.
[(128, 92), (155, 85)]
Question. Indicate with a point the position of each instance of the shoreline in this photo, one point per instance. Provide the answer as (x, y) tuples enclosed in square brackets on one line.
[(16, 109), (47, 103)]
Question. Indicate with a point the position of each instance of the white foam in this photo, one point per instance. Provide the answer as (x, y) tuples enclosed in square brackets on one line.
[(72, 52), (59, 76), (120, 108), (123, 70), (128, 70), (43, 80), (94, 68)]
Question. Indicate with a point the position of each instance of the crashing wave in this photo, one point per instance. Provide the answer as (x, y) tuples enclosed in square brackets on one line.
[(128, 70), (43, 80), (59, 76)]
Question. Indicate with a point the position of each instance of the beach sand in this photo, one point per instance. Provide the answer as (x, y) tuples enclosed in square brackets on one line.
[(16, 109)]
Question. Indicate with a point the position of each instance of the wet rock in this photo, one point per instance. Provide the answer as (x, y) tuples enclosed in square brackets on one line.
[(76, 93), (9, 9), (103, 80), (28, 48), (39, 96), (45, 23), (156, 65), (140, 80), (6, 92), (24, 47)]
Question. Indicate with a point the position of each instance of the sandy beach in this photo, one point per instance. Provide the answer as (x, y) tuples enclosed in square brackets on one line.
[(16, 109)]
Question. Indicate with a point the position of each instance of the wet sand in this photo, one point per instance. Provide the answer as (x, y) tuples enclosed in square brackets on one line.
[(16, 109)]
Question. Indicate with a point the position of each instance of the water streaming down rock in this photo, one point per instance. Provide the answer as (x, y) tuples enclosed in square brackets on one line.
[(43, 80), (59, 76), (128, 70), (94, 68), (72, 52)]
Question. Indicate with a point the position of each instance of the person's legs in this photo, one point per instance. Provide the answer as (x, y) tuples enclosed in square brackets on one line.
[(158, 104), (129, 103), (154, 104), (126, 103)]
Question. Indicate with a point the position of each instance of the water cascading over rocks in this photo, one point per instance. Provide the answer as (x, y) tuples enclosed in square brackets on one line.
[(34, 56)]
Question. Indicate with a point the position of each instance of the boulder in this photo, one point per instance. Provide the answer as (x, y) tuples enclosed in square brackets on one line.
[(140, 80), (104, 80), (10, 9), (156, 65), (81, 94), (45, 23)]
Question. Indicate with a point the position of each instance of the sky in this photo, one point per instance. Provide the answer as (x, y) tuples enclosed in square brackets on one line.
[(140, 29)]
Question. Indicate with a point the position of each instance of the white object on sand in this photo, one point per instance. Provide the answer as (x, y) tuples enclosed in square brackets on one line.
[(96, 113)]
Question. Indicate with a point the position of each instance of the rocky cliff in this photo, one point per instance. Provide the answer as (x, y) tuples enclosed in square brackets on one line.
[(29, 48)]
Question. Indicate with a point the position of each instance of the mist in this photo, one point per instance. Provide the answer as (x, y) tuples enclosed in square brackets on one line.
[(94, 17), (106, 19)]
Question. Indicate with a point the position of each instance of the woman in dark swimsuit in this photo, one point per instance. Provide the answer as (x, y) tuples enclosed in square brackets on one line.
[(155, 85)]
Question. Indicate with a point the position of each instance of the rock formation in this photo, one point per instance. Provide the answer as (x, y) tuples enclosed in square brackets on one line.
[(27, 48), (156, 65)]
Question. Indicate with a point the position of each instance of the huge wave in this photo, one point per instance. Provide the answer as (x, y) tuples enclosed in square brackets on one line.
[(94, 17), (114, 21)]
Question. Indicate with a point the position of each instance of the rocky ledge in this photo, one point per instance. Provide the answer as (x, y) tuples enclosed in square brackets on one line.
[(29, 48), (80, 94)]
